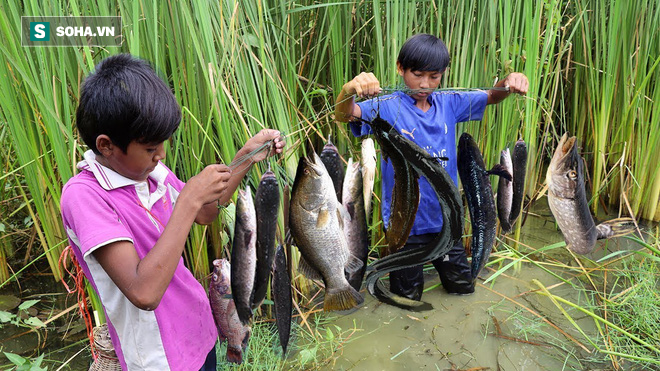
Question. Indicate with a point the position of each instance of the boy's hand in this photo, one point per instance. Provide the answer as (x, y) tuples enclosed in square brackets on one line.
[(363, 85), (207, 186), (516, 82), (259, 139)]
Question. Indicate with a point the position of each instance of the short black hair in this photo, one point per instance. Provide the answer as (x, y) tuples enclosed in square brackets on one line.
[(126, 100), (424, 52)]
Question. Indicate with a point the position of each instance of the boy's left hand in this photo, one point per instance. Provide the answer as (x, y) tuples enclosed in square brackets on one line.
[(516, 82), (262, 137)]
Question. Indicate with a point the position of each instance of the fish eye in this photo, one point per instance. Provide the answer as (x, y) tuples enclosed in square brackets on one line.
[(572, 174), (215, 276)]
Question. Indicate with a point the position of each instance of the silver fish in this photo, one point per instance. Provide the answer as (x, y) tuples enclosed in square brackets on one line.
[(368, 172), (568, 201), (244, 255), (355, 223), (229, 325), (314, 222), (505, 192)]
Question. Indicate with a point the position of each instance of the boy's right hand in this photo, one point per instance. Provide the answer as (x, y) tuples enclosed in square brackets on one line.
[(207, 186), (364, 85)]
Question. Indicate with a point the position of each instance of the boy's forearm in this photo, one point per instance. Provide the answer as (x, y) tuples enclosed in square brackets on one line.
[(344, 107)]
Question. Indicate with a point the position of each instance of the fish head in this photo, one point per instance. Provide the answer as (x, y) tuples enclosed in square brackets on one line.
[(466, 143), (220, 279), (312, 183), (565, 173), (244, 201)]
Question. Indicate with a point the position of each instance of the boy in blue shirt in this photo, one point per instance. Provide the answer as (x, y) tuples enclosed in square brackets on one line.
[(429, 119)]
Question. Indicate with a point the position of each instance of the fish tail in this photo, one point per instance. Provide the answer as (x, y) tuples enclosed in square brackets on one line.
[(234, 354), (380, 292), (342, 299), (615, 228), (244, 313)]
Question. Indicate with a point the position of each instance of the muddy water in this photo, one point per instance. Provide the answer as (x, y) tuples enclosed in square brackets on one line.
[(483, 330)]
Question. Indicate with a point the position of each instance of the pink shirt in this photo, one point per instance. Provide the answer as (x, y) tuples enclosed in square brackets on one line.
[(99, 207)]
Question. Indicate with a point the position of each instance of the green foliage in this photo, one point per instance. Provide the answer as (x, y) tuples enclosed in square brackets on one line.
[(24, 364)]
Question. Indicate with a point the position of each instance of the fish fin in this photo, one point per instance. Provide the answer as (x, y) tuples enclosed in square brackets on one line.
[(501, 171), (505, 225), (343, 214), (234, 354), (307, 270), (342, 299), (353, 264), (615, 228), (288, 238), (244, 314), (323, 218)]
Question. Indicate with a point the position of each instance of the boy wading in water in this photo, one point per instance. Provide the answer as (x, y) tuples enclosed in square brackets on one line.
[(127, 217), (429, 119)]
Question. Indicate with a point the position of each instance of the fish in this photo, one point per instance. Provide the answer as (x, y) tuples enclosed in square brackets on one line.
[(355, 221), (267, 204), (226, 319), (368, 162), (568, 201), (505, 192), (244, 255), (479, 195), (315, 225), (423, 164), (519, 171), (332, 161), (281, 289)]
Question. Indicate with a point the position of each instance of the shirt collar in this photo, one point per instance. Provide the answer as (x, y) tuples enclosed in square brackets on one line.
[(410, 100), (110, 179)]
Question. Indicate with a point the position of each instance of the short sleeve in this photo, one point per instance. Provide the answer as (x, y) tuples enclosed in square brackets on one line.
[(369, 111), (469, 106), (90, 219)]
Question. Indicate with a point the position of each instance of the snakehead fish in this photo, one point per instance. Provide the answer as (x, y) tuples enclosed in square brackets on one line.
[(244, 254), (368, 172), (229, 325), (505, 192), (330, 157), (314, 222), (266, 204), (393, 144), (281, 288), (355, 221), (479, 194), (568, 201)]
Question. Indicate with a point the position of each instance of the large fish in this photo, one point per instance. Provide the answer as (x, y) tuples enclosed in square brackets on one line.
[(423, 164), (229, 325), (333, 164), (281, 289), (568, 201), (479, 194), (266, 204), (314, 221), (355, 221), (244, 254), (505, 192), (368, 173)]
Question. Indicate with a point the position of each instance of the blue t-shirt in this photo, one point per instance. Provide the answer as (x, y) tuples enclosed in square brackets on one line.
[(433, 130)]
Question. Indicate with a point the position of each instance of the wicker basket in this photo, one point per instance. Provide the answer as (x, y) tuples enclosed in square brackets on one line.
[(106, 359)]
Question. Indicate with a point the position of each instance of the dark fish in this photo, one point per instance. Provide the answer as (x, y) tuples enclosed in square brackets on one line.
[(505, 193), (267, 204), (282, 297), (355, 222), (244, 255), (332, 161), (368, 173), (519, 171), (479, 194), (568, 201), (229, 325), (452, 212), (315, 225)]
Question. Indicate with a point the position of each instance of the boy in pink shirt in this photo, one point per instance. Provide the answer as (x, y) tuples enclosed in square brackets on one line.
[(127, 217)]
